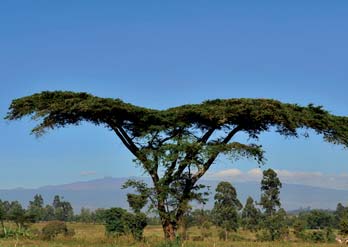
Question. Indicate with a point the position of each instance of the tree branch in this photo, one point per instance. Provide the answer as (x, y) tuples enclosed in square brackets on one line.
[(190, 156), (212, 158)]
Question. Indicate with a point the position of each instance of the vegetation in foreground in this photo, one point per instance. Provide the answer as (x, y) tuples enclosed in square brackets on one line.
[(88, 235)]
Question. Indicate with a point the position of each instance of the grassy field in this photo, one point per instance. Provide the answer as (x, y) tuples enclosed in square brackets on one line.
[(90, 235)]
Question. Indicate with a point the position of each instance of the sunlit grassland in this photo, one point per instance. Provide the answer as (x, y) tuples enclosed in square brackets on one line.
[(93, 235)]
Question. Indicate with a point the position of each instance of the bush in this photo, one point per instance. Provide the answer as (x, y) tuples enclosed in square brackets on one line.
[(53, 228), (317, 236), (330, 235), (116, 221), (137, 222), (299, 228), (119, 222)]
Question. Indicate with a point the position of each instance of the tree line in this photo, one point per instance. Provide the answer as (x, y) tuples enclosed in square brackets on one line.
[(265, 217), (13, 211)]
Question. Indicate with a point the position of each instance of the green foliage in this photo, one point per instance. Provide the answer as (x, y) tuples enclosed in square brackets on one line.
[(63, 210), (100, 215), (53, 228), (251, 216), (6, 232), (36, 208), (85, 215), (318, 219), (116, 221), (275, 227), (174, 243), (330, 235), (270, 188), (136, 202), (181, 142), (119, 222), (317, 236), (2, 214), (17, 214), (49, 213), (343, 226), (340, 210), (201, 218), (137, 223), (274, 222), (226, 207), (299, 226)]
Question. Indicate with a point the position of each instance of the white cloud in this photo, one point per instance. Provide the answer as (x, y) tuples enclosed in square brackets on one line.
[(255, 173), (317, 179), (88, 173), (229, 173)]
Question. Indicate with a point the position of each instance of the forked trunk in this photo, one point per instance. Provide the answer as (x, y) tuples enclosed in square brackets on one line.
[(169, 230)]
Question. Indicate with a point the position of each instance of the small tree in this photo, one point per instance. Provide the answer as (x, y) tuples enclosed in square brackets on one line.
[(36, 208), (2, 215), (100, 215), (299, 226), (49, 213), (54, 228), (18, 215), (85, 215), (137, 221), (226, 207), (63, 210), (339, 213), (250, 215), (319, 219), (270, 190), (275, 217), (116, 221), (343, 227)]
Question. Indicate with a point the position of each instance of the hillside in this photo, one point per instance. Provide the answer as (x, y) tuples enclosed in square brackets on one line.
[(107, 192)]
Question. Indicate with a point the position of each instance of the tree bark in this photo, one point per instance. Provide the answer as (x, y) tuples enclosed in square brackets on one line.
[(169, 226), (169, 230)]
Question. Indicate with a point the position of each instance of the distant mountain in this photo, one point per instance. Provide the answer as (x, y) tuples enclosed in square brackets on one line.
[(107, 192)]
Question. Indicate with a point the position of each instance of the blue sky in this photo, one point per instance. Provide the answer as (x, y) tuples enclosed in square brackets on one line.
[(160, 54)]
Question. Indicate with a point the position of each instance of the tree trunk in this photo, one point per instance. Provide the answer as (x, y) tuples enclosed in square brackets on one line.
[(169, 226), (169, 230), (3, 226)]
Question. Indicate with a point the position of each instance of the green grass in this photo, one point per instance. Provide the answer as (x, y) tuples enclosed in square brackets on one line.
[(90, 235)]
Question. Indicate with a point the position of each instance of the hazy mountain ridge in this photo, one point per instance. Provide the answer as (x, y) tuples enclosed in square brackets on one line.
[(107, 192)]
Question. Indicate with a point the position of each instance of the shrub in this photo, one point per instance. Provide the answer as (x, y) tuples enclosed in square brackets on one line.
[(116, 221), (53, 228), (330, 235), (119, 222), (317, 236), (137, 222), (299, 228)]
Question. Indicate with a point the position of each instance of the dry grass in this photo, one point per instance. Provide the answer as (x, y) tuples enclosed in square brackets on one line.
[(90, 235)]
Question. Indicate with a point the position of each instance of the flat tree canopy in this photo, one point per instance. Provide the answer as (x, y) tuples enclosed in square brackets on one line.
[(178, 145)]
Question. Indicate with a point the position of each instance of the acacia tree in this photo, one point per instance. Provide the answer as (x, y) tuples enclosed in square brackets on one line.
[(177, 146)]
